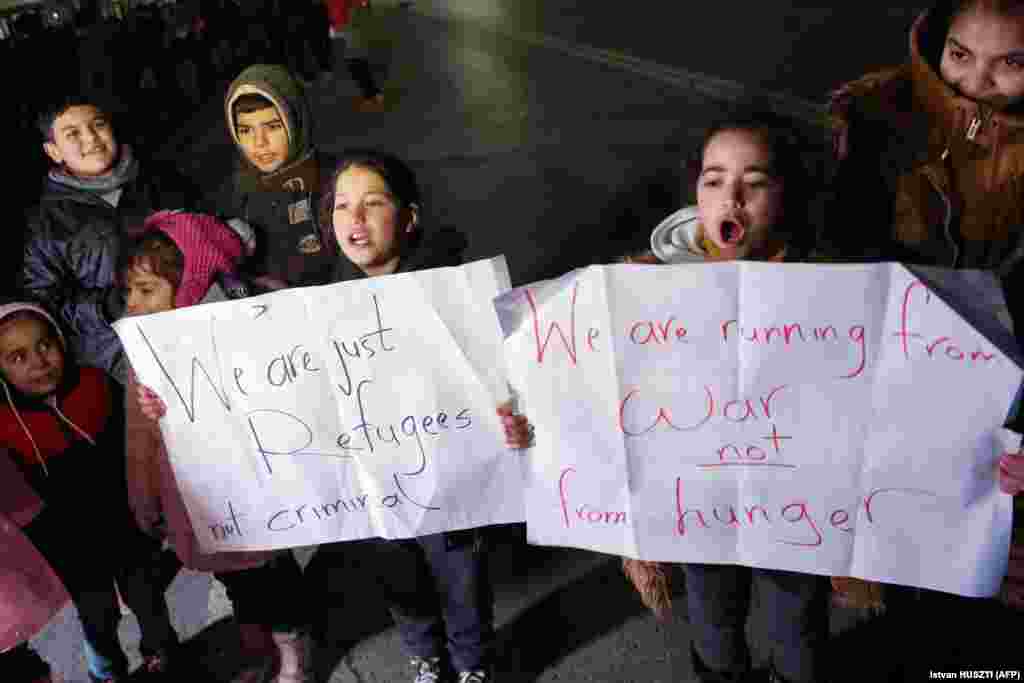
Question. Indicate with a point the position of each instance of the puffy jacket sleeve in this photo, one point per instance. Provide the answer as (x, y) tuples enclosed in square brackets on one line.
[(48, 277)]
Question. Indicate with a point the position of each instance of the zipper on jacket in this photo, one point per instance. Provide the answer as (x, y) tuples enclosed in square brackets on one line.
[(948, 221), (972, 129), (981, 118)]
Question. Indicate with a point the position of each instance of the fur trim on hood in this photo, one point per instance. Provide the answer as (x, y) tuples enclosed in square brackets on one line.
[(677, 239)]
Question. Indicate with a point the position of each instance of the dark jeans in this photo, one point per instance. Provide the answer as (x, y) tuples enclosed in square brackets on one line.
[(441, 596), (272, 595), (718, 602), (89, 557)]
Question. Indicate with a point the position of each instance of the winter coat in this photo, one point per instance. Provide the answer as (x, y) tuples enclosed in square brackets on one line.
[(71, 257), (280, 206), (79, 477), (930, 177)]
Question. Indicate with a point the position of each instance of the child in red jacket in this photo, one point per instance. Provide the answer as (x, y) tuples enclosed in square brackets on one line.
[(63, 427)]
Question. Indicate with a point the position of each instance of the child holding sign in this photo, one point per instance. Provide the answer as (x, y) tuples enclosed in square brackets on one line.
[(438, 584), (753, 190), (440, 592), (180, 260), (62, 426)]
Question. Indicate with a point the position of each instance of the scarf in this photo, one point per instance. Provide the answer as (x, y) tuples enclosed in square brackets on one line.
[(124, 171)]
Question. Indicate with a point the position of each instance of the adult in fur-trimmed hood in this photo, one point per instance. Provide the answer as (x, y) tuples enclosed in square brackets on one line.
[(931, 171), (931, 152)]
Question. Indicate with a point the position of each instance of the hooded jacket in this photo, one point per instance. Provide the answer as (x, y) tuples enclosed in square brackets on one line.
[(209, 248), (48, 448), (71, 254), (931, 177), (281, 206)]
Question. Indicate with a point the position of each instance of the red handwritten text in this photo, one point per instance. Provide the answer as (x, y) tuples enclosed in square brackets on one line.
[(569, 343), (795, 513), (789, 334), (736, 410), (939, 346), (585, 513)]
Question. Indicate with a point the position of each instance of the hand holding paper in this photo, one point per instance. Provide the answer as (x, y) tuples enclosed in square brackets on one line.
[(1011, 473), (151, 405), (518, 431)]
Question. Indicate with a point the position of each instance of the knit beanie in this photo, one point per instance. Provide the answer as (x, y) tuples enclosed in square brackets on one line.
[(209, 248)]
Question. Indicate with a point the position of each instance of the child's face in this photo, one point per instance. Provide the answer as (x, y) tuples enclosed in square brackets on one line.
[(31, 357), (82, 141), (739, 197), (368, 223), (263, 138), (983, 57), (146, 293)]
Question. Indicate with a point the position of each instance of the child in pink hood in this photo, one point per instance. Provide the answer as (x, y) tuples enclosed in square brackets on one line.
[(184, 259)]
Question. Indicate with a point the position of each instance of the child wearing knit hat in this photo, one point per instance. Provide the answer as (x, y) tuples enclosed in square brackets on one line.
[(184, 259)]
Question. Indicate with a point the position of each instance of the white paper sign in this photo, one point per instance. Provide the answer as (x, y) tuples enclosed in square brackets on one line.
[(837, 420), (335, 413)]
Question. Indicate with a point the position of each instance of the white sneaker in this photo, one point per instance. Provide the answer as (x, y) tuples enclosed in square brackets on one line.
[(428, 670), (478, 676)]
